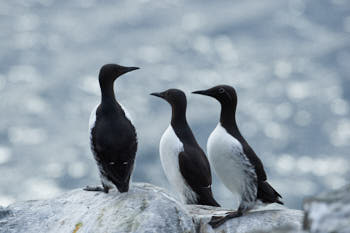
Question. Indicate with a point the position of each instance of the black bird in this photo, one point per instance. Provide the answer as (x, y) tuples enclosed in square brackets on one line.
[(234, 161), (112, 135), (184, 162)]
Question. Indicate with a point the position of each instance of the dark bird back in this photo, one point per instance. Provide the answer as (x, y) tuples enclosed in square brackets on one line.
[(178, 145), (113, 136)]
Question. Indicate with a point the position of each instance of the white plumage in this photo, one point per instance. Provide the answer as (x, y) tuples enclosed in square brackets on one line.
[(232, 166), (92, 119), (169, 149)]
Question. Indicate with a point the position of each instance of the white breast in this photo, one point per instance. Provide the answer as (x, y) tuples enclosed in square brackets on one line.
[(169, 149), (127, 114), (230, 163), (92, 119)]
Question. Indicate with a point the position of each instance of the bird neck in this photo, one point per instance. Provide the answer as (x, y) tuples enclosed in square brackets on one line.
[(178, 116), (228, 119), (181, 127), (107, 90)]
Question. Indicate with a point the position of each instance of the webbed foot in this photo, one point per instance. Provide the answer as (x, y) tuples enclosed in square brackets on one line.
[(217, 221), (96, 189)]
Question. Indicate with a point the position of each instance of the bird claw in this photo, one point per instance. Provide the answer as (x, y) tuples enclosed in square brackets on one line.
[(215, 218), (96, 189), (217, 221)]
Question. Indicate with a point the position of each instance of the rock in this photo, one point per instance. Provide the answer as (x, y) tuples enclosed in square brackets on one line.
[(328, 212), (282, 229), (260, 220), (4, 212), (146, 208)]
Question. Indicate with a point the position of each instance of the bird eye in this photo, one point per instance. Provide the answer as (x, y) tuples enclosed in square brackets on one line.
[(221, 90)]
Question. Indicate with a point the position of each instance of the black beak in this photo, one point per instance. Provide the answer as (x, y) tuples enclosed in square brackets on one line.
[(133, 68), (202, 92), (158, 94), (123, 187), (128, 69)]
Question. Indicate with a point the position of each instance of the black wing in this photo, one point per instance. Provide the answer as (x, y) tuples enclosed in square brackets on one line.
[(266, 193), (249, 152), (115, 151), (255, 161), (195, 168), (118, 165)]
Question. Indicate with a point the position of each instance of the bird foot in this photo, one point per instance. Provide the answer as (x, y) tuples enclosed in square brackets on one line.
[(96, 189), (217, 221)]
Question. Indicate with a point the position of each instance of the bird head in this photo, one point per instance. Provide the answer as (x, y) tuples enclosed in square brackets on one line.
[(223, 93), (110, 72), (174, 97)]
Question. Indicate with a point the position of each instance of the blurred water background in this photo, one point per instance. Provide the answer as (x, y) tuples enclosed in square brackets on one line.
[(289, 61)]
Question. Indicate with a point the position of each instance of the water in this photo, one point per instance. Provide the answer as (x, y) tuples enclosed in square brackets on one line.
[(288, 61)]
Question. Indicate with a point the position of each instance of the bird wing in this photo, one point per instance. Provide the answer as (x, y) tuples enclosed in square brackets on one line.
[(255, 161), (118, 168), (195, 171), (266, 192), (115, 156)]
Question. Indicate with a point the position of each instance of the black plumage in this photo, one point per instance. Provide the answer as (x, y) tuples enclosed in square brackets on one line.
[(227, 97), (193, 163), (113, 136), (228, 120)]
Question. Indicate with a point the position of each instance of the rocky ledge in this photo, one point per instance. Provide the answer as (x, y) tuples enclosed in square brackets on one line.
[(328, 212), (145, 208)]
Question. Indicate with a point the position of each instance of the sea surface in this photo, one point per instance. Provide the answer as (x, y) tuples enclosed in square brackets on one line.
[(288, 60)]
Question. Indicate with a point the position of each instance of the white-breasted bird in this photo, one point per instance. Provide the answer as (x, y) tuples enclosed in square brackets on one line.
[(234, 161), (184, 162)]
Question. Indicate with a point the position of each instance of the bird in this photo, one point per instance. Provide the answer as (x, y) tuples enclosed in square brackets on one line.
[(185, 164), (234, 161), (113, 138)]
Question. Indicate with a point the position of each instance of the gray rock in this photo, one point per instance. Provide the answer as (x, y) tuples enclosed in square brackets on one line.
[(282, 229), (259, 220), (328, 212), (145, 208)]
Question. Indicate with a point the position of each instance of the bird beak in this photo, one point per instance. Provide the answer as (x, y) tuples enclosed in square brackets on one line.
[(123, 187), (158, 94), (128, 69), (203, 92)]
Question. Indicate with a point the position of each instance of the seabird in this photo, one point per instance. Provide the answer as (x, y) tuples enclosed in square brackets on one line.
[(184, 162), (234, 161), (113, 137)]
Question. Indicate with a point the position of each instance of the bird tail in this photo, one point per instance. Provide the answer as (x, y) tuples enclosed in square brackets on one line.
[(267, 194), (120, 180), (205, 197)]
